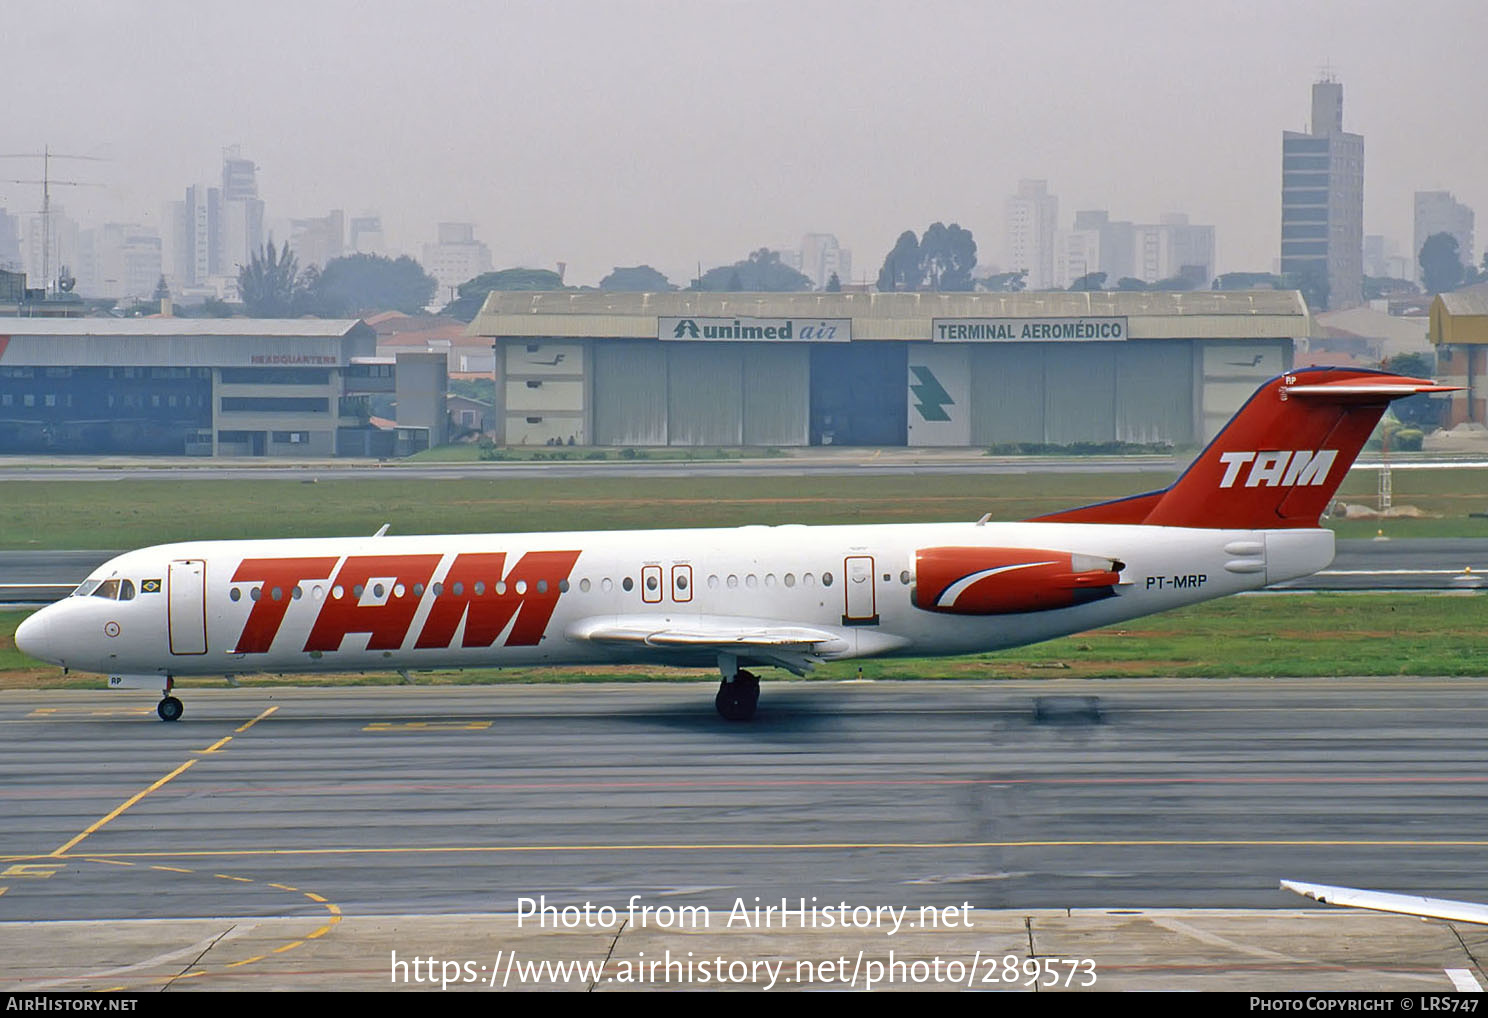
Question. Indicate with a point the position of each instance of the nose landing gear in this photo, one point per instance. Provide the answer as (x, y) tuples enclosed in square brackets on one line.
[(169, 708)]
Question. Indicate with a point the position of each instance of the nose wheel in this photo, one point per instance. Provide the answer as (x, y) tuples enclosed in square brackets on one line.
[(169, 708)]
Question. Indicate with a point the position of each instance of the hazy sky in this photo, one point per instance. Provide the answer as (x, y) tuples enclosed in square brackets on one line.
[(604, 133)]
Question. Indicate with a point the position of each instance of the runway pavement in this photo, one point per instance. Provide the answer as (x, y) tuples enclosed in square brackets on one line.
[(297, 816), (39, 577)]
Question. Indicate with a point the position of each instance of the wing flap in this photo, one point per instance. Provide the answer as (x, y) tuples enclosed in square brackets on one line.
[(797, 649), (694, 636)]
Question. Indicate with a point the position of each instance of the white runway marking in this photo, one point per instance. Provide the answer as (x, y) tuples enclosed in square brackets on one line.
[(1464, 981)]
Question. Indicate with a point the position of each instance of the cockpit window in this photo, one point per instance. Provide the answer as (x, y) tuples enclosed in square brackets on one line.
[(86, 588), (110, 590), (126, 590)]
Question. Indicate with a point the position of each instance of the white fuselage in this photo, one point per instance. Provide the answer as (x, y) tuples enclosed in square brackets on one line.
[(384, 603)]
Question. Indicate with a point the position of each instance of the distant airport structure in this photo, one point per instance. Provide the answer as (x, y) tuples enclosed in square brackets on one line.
[(1459, 329), (211, 387), (884, 369)]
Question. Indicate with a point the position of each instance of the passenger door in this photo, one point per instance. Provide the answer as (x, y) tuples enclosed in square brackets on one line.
[(860, 607), (186, 587)]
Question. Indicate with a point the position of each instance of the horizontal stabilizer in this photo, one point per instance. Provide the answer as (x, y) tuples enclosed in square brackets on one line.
[(1384, 901)]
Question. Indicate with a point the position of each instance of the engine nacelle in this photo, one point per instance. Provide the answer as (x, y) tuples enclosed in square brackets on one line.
[(1006, 581)]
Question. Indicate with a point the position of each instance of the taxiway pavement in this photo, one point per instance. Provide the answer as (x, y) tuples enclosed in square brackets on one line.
[(304, 814)]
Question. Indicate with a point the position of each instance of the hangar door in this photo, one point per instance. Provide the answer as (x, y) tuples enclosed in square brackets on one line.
[(857, 393)]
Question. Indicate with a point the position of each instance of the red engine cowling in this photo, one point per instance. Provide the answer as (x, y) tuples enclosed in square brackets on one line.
[(1005, 581)]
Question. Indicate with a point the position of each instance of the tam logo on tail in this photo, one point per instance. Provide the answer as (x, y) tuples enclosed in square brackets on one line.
[(1287, 468)]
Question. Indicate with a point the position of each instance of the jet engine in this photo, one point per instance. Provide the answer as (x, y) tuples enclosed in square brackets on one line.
[(1006, 581)]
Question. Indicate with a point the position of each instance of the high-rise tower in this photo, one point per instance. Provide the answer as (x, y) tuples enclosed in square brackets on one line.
[(1322, 204)]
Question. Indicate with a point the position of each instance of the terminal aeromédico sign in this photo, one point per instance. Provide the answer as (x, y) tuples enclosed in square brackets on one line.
[(1027, 330), (756, 330)]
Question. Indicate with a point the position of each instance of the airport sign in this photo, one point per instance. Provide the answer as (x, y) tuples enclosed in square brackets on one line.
[(1027, 330)]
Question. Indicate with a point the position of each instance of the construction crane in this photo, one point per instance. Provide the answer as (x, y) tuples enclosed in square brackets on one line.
[(46, 155)]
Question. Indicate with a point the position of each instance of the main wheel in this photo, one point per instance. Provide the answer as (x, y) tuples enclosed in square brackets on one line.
[(170, 709), (737, 700)]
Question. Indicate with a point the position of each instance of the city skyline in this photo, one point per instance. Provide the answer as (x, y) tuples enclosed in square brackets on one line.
[(599, 136)]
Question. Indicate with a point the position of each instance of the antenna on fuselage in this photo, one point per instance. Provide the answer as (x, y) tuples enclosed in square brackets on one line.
[(382, 530)]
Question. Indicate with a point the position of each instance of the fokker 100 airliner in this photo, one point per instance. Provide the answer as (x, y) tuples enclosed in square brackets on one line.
[(1245, 514)]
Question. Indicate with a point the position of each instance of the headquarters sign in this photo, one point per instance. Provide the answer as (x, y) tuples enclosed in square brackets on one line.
[(756, 330), (1027, 330)]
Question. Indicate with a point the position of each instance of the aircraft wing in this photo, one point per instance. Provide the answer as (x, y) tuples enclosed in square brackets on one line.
[(795, 648), (1383, 901)]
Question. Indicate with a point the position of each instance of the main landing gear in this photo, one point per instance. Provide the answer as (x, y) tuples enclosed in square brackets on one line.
[(738, 696), (169, 708)]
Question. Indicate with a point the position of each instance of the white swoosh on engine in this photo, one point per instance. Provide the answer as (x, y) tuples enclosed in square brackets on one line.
[(955, 590)]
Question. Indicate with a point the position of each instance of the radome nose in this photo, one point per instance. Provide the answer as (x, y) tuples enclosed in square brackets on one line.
[(31, 636)]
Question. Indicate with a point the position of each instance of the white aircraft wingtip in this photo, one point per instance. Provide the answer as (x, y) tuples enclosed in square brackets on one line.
[(1384, 901)]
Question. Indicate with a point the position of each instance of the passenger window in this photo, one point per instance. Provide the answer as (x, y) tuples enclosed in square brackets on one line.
[(826, 579), (628, 583)]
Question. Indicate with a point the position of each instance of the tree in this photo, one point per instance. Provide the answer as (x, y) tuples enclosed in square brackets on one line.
[(1312, 282), (834, 284), (473, 292), (1090, 281), (361, 283), (1421, 411), (761, 272), (1130, 284), (1179, 282), (636, 279), (902, 269), (1441, 263), (943, 258), (949, 255), (1005, 282), (1376, 287), (1248, 281), (270, 282)]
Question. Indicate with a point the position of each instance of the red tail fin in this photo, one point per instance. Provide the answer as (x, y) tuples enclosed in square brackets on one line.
[(1277, 462)]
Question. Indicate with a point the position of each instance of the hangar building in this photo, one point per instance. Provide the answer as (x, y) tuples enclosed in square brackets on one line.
[(884, 369), (1459, 328), (194, 386)]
